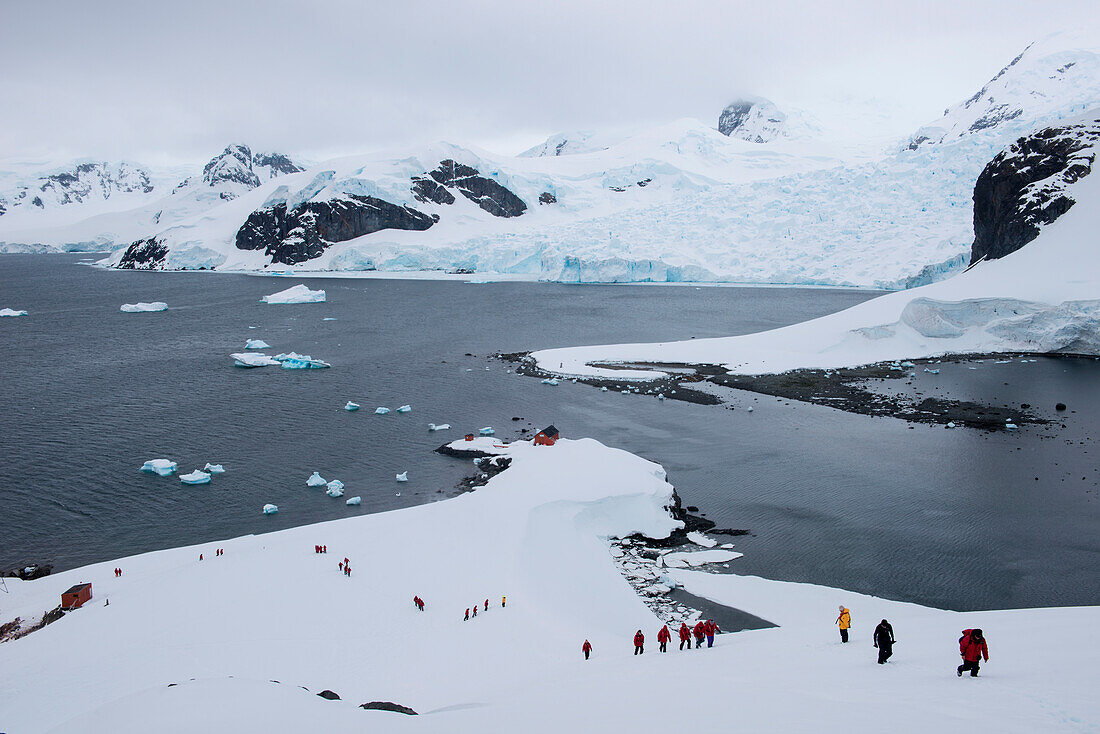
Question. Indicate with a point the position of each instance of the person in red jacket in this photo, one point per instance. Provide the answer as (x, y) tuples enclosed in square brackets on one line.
[(972, 647), (685, 635), (467, 614), (639, 643), (700, 632), (711, 629), (663, 636), (586, 648)]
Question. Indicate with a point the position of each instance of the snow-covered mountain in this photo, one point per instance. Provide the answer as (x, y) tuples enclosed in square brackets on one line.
[(582, 141), (237, 170), (1050, 80), (82, 182)]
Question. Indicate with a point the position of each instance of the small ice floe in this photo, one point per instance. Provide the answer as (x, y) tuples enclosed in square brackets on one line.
[(350, 406), (750, 409), (11, 312), (550, 381), (486, 431), (252, 359), (334, 492), (298, 294), (270, 509), (143, 307), (660, 396), (931, 372), (698, 558), (195, 477), (625, 392), (404, 409), (1011, 426), (950, 424), (438, 426), (163, 467), (403, 476), (381, 411), (603, 389), (214, 469), (316, 480), (295, 361), (256, 344), (700, 539), (329, 318), (335, 486), (356, 500)]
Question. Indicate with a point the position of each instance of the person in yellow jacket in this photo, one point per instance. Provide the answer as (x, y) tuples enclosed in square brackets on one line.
[(845, 621)]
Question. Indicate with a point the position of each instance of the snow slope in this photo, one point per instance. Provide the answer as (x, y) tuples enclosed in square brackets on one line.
[(225, 629), (1044, 297)]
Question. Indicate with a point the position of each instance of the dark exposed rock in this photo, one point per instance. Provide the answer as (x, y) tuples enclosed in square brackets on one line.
[(547, 198), (387, 706), (233, 165), (756, 120), (1060, 406), (279, 164), (485, 192), (329, 695), (304, 232), (147, 254), (645, 182), (1025, 187)]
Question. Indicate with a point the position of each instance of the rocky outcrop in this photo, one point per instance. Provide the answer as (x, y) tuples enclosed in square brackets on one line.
[(754, 119), (468, 181), (304, 232), (1026, 187), (276, 164), (147, 254), (234, 166), (387, 706)]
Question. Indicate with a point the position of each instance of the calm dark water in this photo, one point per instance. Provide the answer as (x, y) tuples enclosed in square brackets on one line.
[(951, 518)]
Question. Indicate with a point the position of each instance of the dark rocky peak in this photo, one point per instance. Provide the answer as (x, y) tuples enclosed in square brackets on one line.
[(277, 163), (754, 119), (84, 182), (468, 181), (1027, 186), (232, 166)]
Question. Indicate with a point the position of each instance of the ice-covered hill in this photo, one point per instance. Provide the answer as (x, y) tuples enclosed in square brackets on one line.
[(1041, 296), (246, 640), (94, 205), (759, 120)]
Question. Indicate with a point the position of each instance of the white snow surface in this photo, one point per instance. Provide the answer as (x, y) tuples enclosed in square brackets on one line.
[(143, 307), (295, 294), (536, 533), (683, 559), (1045, 297)]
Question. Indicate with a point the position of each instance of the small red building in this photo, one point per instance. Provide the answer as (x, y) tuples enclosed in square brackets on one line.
[(469, 437), (75, 597), (547, 436)]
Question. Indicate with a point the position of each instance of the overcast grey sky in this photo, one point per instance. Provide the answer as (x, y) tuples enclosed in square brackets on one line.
[(178, 80)]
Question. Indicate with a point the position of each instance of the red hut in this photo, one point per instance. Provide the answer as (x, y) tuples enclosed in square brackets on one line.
[(75, 597), (469, 437), (547, 436)]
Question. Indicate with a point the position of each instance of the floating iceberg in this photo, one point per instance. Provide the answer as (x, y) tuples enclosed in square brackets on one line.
[(295, 361), (438, 427), (698, 558), (11, 312), (143, 307), (381, 411), (550, 381), (252, 359), (700, 539), (214, 469), (486, 431), (298, 294), (350, 406), (195, 477), (163, 467), (316, 480), (335, 491), (328, 318), (256, 344), (270, 509), (404, 409), (1011, 426), (336, 486), (403, 476), (354, 500)]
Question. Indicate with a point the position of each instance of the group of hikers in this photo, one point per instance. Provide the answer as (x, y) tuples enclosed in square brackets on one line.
[(503, 603), (703, 629), (217, 552), (320, 549), (972, 645), (118, 572), (345, 566)]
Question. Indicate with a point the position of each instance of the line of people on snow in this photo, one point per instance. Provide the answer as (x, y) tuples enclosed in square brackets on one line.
[(503, 603), (703, 629)]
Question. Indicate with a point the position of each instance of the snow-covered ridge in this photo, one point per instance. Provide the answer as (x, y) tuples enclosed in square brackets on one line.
[(85, 181), (759, 120)]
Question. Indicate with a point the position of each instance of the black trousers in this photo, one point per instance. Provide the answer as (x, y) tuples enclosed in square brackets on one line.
[(638, 650), (972, 666), (843, 635), (586, 654), (688, 641), (884, 654), (663, 649)]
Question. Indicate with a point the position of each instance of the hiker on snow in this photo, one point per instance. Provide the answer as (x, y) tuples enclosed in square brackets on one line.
[(467, 614), (663, 636), (884, 641), (486, 605), (972, 647), (700, 633), (685, 635), (711, 629), (639, 643), (845, 621), (586, 648)]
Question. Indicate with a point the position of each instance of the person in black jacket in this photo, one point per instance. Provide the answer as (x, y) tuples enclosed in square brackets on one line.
[(884, 641)]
